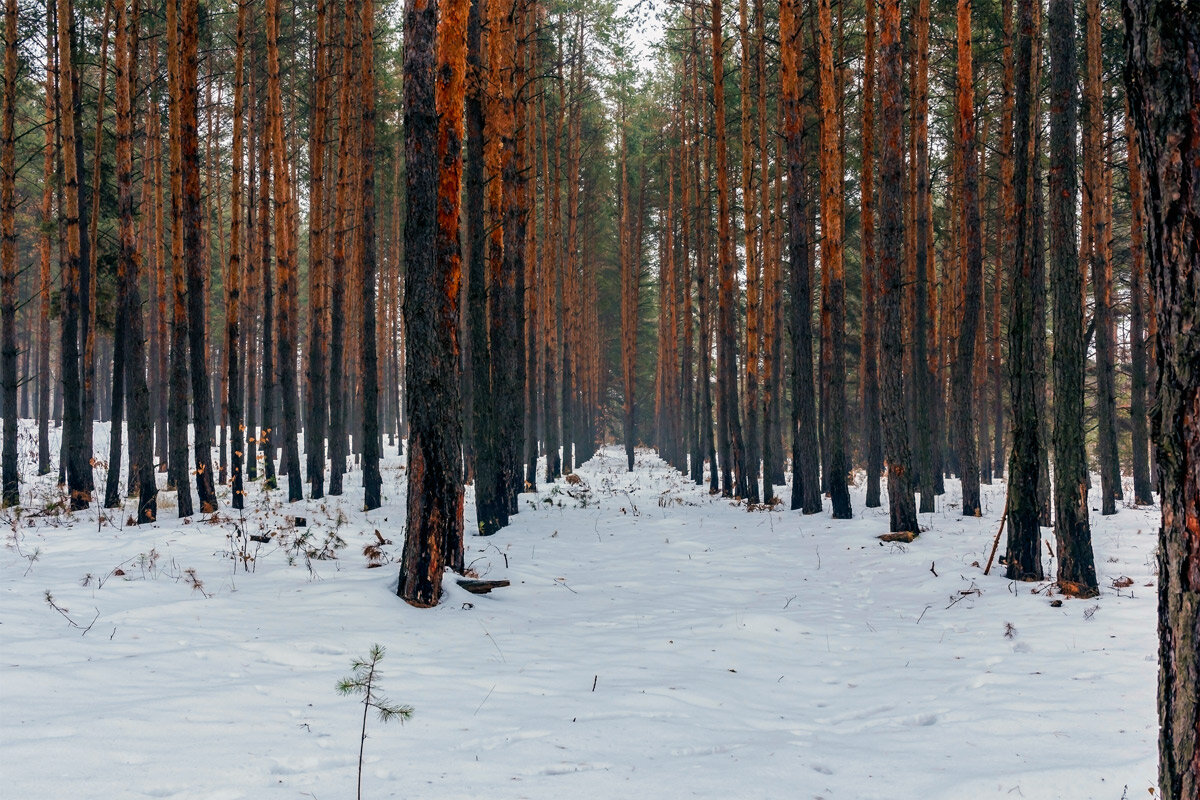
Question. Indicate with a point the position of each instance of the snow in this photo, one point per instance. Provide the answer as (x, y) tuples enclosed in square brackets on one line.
[(655, 641)]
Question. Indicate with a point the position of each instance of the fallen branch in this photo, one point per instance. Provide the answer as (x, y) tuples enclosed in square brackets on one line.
[(66, 616), (475, 586), (996, 541)]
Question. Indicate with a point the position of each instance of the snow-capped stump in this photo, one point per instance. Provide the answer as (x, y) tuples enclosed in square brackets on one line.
[(477, 586), (898, 536)]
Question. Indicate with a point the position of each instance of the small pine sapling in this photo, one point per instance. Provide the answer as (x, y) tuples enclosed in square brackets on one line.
[(364, 681)]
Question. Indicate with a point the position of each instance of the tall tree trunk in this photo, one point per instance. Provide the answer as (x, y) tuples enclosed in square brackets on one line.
[(193, 256), (1137, 319), (972, 263), (317, 415), (267, 433), (129, 337), (1006, 241), (806, 484), (431, 313), (160, 349), (1163, 80), (484, 467), (1076, 566), (753, 265), (730, 426), (1024, 555), (285, 255), (493, 464), (78, 470), (1106, 436), (923, 378), (89, 236), (112, 494), (369, 347), (338, 396), (508, 366), (233, 314), (901, 502), (870, 322), (10, 494), (44, 280), (833, 276), (630, 279), (552, 275)]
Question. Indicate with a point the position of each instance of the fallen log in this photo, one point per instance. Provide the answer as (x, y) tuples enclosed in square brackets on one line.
[(475, 586)]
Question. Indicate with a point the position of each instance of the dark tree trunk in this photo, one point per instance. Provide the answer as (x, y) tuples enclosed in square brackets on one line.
[(901, 502), (78, 470), (1163, 80), (342, 216), (234, 311), (806, 481), (481, 381), (10, 494), (870, 324), (924, 379), (44, 283), (1137, 321), (431, 316), (372, 443), (317, 415), (1024, 556), (285, 261), (1072, 531), (964, 364), (730, 423), (833, 273), (193, 254)]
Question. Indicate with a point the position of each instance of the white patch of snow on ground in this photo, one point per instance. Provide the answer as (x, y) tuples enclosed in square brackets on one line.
[(655, 641)]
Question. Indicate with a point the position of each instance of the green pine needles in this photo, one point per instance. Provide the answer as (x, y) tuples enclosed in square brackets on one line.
[(364, 681)]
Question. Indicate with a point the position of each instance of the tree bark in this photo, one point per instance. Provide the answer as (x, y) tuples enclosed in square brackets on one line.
[(901, 502), (730, 426), (1137, 319), (431, 315), (285, 260), (233, 313), (1163, 81), (78, 470), (1024, 555), (972, 263), (1072, 531), (833, 277), (870, 322), (193, 256), (44, 280), (372, 442), (317, 416), (806, 482), (10, 494)]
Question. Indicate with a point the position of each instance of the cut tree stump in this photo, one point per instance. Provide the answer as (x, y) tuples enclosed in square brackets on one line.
[(475, 586)]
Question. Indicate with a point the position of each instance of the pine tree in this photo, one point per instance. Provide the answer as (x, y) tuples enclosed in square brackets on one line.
[(9, 488), (1024, 556), (1076, 568), (806, 485), (972, 264), (1163, 82), (431, 314)]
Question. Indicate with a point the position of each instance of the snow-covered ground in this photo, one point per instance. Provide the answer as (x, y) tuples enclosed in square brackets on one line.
[(655, 641)]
